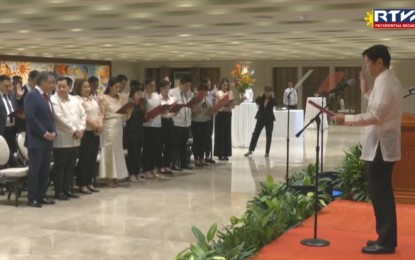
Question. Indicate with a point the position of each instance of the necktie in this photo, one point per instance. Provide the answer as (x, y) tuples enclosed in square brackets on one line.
[(6, 97), (46, 98)]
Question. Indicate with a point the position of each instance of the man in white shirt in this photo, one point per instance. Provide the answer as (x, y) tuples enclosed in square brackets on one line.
[(382, 143), (290, 97), (182, 121), (70, 119)]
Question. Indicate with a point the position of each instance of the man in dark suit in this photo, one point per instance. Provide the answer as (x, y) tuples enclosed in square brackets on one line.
[(40, 132), (8, 108), (21, 92), (265, 118)]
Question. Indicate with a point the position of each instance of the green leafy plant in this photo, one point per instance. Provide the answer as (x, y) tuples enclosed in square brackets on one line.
[(352, 179), (270, 213)]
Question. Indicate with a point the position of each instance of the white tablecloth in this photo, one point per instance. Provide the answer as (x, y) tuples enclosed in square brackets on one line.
[(280, 124), (311, 112), (243, 124)]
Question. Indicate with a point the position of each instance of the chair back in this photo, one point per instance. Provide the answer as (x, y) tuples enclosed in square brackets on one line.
[(4, 151), (22, 149)]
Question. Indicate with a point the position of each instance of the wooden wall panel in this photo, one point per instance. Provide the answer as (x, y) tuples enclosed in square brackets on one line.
[(352, 95), (281, 77)]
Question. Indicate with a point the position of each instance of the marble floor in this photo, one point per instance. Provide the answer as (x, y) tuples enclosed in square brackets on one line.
[(152, 221)]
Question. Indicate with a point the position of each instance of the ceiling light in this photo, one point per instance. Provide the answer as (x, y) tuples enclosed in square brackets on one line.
[(185, 4), (184, 35), (71, 17), (235, 42), (23, 31), (104, 8), (20, 49), (217, 12), (76, 30)]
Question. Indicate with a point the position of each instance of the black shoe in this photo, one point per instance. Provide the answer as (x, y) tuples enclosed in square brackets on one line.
[(371, 242), (35, 204), (266, 155), (377, 250), (61, 196), (221, 158), (87, 191), (71, 195), (187, 167), (46, 202), (226, 158), (248, 153), (210, 160), (175, 168)]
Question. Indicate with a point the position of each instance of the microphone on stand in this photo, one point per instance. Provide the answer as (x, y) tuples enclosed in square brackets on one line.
[(411, 90), (350, 82)]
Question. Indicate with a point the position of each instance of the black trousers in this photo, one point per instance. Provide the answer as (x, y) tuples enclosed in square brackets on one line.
[(134, 147), (260, 124), (223, 138), (379, 175), (167, 138), (200, 138), (208, 148), (64, 161), (87, 163), (38, 174), (10, 137), (292, 106), (151, 148), (181, 137)]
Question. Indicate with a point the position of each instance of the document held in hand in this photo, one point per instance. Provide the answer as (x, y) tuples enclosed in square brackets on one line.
[(223, 102), (125, 108), (322, 109), (193, 102)]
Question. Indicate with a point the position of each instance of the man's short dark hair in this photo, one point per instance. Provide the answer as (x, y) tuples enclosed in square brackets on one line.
[(187, 78), (42, 76), (93, 79), (378, 52), (16, 78), (122, 77), (4, 77), (33, 74), (164, 83)]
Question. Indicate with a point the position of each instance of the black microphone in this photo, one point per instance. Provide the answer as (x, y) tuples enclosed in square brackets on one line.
[(411, 90), (350, 82)]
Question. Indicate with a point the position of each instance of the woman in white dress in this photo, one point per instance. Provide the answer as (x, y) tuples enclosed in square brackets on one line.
[(112, 166)]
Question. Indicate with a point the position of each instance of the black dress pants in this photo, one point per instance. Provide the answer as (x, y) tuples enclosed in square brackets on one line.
[(151, 148), (379, 175), (200, 133), (167, 138), (87, 164), (10, 137), (208, 148), (181, 137), (260, 124), (134, 147), (64, 161)]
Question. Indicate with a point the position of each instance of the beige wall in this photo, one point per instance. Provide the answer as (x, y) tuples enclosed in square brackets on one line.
[(404, 69)]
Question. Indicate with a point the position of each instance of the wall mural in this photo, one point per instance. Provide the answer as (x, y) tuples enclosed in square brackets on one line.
[(75, 71)]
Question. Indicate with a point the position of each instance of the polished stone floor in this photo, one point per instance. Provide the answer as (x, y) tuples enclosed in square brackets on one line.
[(153, 220)]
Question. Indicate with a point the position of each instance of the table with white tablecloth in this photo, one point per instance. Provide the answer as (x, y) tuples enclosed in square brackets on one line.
[(243, 124), (311, 112), (280, 124)]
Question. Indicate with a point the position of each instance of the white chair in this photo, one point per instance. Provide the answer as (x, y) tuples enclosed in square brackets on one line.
[(13, 178), (22, 152)]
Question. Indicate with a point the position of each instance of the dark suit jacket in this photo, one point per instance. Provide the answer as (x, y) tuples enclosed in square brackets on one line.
[(3, 112), (39, 120), (265, 113)]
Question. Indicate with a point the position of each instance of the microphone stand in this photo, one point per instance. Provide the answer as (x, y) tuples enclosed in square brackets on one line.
[(322, 132), (288, 138), (315, 242)]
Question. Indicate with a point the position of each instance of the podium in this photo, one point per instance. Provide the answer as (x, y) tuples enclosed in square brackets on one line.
[(403, 177)]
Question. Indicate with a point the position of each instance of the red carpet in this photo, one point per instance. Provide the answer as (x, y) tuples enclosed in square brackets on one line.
[(347, 225)]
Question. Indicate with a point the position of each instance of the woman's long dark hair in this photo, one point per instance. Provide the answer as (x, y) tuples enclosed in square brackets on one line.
[(223, 80), (111, 82)]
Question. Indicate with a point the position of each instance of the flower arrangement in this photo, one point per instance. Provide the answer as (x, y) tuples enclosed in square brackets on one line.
[(242, 78)]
